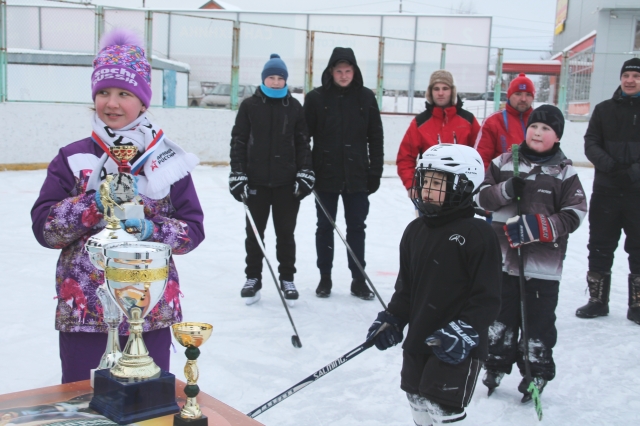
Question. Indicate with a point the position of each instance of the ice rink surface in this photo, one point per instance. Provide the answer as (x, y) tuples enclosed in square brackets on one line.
[(249, 358)]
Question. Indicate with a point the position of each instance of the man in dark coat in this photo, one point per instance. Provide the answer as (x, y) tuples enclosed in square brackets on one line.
[(344, 121), (612, 144)]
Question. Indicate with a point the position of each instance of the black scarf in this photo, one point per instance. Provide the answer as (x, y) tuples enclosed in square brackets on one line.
[(538, 157), (443, 219)]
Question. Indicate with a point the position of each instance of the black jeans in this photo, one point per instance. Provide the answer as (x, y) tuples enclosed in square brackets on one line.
[(356, 209), (609, 214), (285, 213), (505, 339)]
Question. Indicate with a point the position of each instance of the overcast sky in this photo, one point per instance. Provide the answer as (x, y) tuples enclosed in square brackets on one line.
[(523, 24)]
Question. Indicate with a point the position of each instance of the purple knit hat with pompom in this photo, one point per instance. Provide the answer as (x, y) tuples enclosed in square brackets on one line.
[(122, 63)]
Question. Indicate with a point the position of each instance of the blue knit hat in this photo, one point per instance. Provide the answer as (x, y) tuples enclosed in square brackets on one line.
[(275, 66)]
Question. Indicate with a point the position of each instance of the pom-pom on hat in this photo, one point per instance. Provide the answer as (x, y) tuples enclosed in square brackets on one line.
[(632, 64), (275, 66), (549, 115), (521, 84), (122, 63), (445, 77)]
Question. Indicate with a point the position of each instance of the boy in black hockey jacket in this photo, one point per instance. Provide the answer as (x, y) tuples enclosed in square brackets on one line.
[(448, 288)]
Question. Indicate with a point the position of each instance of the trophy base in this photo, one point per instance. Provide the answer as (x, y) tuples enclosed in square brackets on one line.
[(178, 420), (126, 403)]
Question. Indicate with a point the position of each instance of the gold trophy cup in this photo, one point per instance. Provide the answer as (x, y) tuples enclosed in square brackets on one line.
[(191, 335)]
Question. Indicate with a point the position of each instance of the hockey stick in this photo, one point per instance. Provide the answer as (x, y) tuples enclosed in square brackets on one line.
[(295, 339), (351, 253), (532, 389), (313, 377)]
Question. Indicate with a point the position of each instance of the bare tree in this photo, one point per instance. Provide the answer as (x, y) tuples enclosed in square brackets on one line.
[(464, 8)]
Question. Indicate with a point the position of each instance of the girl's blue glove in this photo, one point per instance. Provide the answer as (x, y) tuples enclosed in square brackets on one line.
[(142, 229)]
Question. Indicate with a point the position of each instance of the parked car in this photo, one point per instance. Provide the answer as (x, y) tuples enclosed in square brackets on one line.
[(220, 96), (198, 90), (482, 96)]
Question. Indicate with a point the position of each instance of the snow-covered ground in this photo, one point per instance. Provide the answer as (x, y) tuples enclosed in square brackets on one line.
[(249, 358)]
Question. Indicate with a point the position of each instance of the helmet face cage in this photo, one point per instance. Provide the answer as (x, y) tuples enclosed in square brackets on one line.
[(433, 197)]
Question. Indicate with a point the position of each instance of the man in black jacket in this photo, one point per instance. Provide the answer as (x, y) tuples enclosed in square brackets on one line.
[(612, 144), (271, 168), (344, 122), (448, 288)]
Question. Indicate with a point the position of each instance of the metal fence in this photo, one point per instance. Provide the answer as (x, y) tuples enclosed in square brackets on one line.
[(214, 58)]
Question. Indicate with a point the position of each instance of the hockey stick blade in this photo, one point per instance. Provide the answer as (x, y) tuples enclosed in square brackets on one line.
[(310, 379), (535, 395)]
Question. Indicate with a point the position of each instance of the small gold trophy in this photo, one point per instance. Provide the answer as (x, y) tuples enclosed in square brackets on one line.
[(191, 335)]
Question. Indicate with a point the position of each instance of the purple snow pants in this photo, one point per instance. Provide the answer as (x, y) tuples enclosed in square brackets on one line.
[(81, 352)]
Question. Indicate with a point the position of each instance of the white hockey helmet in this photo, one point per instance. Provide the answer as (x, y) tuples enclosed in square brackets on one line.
[(464, 171)]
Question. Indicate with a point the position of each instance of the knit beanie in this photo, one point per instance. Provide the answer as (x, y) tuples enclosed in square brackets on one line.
[(549, 115), (275, 66), (445, 77), (632, 64), (122, 63), (521, 84)]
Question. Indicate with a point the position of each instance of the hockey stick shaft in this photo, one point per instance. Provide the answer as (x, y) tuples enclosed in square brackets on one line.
[(351, 253), (264, 253), (311, 378), (523, 297)]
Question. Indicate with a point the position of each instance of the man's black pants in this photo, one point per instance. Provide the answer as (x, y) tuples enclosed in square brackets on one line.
[(356, 209), (285, 213)]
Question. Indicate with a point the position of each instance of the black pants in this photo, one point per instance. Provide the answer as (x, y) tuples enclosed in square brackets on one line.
[(356, 209), (609, 214), (285, 213), (505, 339)]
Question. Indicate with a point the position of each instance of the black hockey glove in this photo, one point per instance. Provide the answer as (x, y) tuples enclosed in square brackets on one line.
[(514, 187), (386, 331), (305, 179), (238, 185), (453, 343), (373, 183)]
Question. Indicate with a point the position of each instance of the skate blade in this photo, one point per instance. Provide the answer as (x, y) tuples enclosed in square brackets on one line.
[(526, 398), (253, 299), (291, 303), (491, 391)]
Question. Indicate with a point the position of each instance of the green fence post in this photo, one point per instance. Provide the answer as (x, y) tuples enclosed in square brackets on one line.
[(3, 50), (380, 88), (99, 27), (564, 77), (148, 35), (235, 65), (497, 86), (443, 56), (308, 72)]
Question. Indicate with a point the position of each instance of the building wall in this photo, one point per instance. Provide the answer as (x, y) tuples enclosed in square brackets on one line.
[(614, 35), (581, 20)]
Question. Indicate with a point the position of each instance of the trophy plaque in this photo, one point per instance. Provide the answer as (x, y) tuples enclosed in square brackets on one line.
[(191, 335), (135, 388)]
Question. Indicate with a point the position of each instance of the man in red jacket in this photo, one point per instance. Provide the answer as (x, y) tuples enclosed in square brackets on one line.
[(507, 127), (444, 121)]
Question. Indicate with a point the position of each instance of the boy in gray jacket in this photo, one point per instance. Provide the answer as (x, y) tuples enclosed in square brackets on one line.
[(552, 205)]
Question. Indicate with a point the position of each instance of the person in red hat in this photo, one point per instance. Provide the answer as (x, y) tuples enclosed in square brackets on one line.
[(507, 127)]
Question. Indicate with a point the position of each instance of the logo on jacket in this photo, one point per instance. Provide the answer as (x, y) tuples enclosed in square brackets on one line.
[(154, 165), (544, 191), (457, 237)]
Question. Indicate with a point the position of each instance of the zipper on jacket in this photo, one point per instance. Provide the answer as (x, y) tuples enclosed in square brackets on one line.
[(284, 126)]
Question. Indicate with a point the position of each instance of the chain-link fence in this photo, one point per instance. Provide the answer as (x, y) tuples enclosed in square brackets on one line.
[(214, 59)]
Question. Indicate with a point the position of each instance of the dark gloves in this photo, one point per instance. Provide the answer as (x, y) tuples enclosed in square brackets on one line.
[(514, 187), (305, 179), (621, 177), (453, 343), (238, 185), (373, 183), (529, 228), (386, 331)]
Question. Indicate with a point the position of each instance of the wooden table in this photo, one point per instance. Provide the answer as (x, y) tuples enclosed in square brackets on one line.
[(48, 402)]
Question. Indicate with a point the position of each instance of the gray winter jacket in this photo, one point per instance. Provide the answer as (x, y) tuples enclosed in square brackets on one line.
[(554, 190)]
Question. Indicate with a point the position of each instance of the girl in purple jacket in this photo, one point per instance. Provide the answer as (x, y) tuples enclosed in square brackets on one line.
[(67, 212)]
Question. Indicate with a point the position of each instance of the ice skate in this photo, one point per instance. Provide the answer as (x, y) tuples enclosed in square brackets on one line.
[(290, 292), (492, 379), (524, 386), (251, 291)]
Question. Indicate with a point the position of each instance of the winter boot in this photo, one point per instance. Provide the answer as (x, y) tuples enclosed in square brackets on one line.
[(633, 313), (289, 290), (360, 289), (251, 291), (523, 387), (324, 288), (492, 379), (599, 287)]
